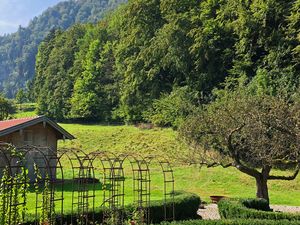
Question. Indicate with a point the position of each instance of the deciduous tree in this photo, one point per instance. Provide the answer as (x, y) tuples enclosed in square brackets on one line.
[(6, 108), (255, 134)]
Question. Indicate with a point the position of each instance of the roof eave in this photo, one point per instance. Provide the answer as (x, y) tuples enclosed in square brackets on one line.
[(35, 121)]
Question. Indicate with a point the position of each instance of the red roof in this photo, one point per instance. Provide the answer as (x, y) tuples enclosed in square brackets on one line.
[(10, 126), (12, 123)]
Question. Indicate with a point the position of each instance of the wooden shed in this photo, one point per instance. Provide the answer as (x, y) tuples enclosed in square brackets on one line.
[(34, 131)]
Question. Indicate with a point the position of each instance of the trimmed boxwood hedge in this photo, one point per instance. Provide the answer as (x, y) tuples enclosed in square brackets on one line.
[(257, 203), (235, 222), (233, 209), (186, 207)]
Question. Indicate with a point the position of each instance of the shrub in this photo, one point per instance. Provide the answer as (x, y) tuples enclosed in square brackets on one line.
[(6, 108), (257, 203), (234, 222), (232, 209), (171, 109), (186, 207)]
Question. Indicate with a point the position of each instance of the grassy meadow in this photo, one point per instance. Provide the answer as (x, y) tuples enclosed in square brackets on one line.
[(163, 142), (203, 181)]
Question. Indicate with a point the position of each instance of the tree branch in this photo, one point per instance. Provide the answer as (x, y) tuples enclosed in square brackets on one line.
[(249, 171), (281, 129), (229, 140), (216, 164), (285, 162), (293, 177)]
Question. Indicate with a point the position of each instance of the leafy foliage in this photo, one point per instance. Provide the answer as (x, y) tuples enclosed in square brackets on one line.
[(13, 189), (55, 69), (95, 91), (249, 132), (231, 209), (18, 50), (172, 109), (186, 207), (147, 49), (234, 222), (7, 108), (21, 96), (256, 203)]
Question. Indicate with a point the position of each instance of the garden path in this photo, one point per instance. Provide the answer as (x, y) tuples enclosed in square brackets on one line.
[(210, 212), (284, 208)]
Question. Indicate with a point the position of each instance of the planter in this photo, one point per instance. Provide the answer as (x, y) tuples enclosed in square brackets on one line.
[(216, 198)]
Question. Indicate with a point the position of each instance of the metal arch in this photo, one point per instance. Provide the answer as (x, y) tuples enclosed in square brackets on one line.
[(106, 166), (61, 154), (141, 185), (61, 182), (113, 186), (102, 179), (135, 168), (169, 186), (42, 180), (19, 185), (56, 183), (82, 176), (117, 181), (13, 186), (5, 187), (83, 183)]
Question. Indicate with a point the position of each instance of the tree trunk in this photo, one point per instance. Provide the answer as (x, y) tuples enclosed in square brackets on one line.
[(262, 183), (262, 188), (260, 177)]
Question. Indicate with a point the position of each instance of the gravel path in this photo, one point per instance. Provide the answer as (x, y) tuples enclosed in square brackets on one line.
[(210, 212), (283, 208)]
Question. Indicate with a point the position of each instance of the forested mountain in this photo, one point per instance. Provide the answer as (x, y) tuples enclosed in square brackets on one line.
[(153, 52), (18, 50)]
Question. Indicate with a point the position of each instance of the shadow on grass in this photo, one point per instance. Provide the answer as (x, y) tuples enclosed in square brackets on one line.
[(70, 186)]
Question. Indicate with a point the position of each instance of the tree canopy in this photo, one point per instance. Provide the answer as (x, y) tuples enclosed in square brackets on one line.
[(146, 49), (18, 50), (254, 133), (7, 108)]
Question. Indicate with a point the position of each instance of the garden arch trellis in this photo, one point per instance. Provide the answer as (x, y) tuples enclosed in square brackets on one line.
[(140, 185), (52, 187), (46, 179), (13, 183), (82, 171), (169, 185)]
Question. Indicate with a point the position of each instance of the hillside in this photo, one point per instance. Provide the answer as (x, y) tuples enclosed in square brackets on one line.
[(150, 60), (18, 50), (164, 142), (203, 181)]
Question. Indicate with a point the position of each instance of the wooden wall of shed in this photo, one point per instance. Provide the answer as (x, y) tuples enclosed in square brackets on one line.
[(42, 136)]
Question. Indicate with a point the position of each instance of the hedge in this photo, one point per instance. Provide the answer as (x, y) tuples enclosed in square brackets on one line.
[(233, 209), (257, 203), (234, 222), (186, 207)]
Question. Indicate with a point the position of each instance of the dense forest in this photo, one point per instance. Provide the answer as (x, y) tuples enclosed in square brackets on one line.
[(18, 50), (155, 60)]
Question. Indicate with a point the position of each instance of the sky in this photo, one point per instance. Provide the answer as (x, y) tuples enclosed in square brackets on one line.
[(19, 12)]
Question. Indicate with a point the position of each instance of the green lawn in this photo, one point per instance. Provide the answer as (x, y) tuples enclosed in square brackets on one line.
[(25, 110), (120, 139), (204, 181), (163, 142)]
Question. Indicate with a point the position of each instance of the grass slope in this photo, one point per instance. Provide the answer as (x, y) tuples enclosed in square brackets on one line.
[(204, 181)]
